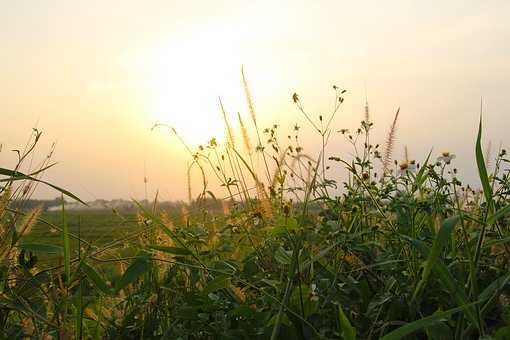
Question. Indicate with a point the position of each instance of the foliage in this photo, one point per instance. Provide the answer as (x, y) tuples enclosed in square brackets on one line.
[(384, 253)]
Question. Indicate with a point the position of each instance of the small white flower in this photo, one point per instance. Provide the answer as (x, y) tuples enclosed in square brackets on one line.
[(446, 157), (385, 201), (314, 296)]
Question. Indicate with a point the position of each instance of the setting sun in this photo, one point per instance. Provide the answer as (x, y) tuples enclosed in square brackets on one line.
[(184, 79)]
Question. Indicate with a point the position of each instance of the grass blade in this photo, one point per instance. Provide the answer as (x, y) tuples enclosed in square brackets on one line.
[(137, 268), (95, 278), (438, 245), (348, 332), (67, 245), (412, 327)]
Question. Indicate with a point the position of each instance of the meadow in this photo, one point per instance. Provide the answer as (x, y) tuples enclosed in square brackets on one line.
[(396, 249)]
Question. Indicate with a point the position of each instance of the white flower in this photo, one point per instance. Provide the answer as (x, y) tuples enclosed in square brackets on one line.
[(385, 201), (407, 166), (446, 157), (313, 293)]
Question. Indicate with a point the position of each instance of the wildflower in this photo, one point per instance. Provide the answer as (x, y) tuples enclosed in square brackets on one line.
[(343, 131), (314, 296), (446, 157), (385, 201)]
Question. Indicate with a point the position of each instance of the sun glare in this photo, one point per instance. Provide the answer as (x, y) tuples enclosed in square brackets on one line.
[(184, 80)]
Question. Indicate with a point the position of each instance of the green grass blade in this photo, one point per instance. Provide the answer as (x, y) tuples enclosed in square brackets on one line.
[(136, 269), (493, 289), (171, 250), (448, 281), (422, 175), (440, 242), (482, 170), (499, 214), (348, 332), (41, 248), (18, 176), (216, 284), (67, 244), (412, 327), (95, 278)]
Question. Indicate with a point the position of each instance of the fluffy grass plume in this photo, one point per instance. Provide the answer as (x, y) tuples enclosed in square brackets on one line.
[(249, 98), (389, 143), (230, 132), (245, 135)]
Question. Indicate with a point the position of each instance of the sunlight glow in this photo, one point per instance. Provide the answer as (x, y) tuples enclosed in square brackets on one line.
[(184, 80)]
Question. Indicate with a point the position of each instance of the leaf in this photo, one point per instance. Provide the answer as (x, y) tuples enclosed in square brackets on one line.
[(137, 268), (282, 256), (421, 176), (499, 214), (41, 248), (446, 278), (482, 170), (438, 245), (302, 293), (18, 176), (67, 244), (216, 284), (411, 327), (96, 279), (171, 250), (348, 332), (492, 290), (491, 243)]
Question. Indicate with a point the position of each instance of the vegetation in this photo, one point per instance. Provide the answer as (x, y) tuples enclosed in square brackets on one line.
[(392, 250)]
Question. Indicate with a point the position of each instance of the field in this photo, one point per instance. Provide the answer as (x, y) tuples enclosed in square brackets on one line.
[(393, 250), (95, 229)]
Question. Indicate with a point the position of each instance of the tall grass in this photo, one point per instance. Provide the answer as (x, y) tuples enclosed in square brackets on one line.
[(408, 252)]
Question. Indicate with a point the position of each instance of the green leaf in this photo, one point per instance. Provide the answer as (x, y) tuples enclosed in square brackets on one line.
[(492, 290), (446, 278), (439, 243), (96, 279), (67, 244), (491, 243), (348, 332), (482, 170), (499, 214), (218, 283), (171, 250), (137, 268), (302, 293), (411, 327), (41, 248), (422, 175), (18, 176), (282, 256)]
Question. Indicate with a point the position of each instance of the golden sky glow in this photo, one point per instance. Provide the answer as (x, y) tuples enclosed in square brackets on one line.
[(96, 75)]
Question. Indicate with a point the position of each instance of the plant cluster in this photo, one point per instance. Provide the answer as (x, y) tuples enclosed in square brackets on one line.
[(393, 250)]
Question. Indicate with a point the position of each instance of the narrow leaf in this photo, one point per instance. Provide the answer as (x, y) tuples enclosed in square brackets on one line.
[(348, 332), (95, 278), (411, 327), (137, 268)]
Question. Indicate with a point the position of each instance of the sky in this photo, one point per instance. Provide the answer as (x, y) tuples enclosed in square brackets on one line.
[(94, 76)]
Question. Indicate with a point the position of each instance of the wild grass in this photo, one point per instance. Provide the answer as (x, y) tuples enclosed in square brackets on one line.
[(288, 251)]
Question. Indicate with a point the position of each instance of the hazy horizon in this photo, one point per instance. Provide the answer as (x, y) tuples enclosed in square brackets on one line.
[(95, 76)]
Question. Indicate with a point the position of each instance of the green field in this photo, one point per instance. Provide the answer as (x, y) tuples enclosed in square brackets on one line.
[(91, 229)]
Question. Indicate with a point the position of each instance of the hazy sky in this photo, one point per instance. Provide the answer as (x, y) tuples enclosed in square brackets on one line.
[(95, 75)]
